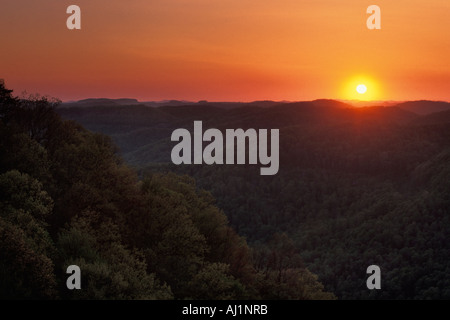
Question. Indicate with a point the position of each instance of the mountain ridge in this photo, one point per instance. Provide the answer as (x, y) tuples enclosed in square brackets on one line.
[(420, 107)]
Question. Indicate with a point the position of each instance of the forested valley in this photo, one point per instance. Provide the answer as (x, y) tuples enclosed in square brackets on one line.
[(356, 187), (67, 198)]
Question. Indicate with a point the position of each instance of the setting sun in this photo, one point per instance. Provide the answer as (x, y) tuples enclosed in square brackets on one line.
[(361, 89)]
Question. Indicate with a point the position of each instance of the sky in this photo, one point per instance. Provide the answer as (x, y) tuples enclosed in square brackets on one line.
[(227, 50)]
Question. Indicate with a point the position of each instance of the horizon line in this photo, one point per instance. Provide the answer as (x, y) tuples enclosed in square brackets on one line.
[(205, 101)]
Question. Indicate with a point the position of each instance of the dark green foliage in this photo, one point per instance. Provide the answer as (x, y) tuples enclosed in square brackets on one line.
[(213, 281), (342, 222), (281, 274), (184, 234), (109, 269), (26, 249), (25, 273)]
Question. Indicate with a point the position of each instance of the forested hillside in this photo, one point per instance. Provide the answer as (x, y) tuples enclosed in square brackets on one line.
[(67, 198), (356, 186)]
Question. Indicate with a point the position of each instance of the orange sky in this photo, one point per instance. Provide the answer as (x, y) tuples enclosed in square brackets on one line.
[(233, 50)]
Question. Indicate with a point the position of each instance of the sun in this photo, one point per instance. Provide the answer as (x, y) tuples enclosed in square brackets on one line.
[(361, 89)]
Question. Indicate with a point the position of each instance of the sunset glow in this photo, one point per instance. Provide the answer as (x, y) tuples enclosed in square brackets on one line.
[(235, 50), (362, 88)]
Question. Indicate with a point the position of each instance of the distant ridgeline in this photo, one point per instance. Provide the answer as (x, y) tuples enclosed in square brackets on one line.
[(143, 130), (355, 186)]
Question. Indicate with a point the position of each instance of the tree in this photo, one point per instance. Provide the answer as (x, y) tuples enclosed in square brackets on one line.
[(109, 269), (26, 248)]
